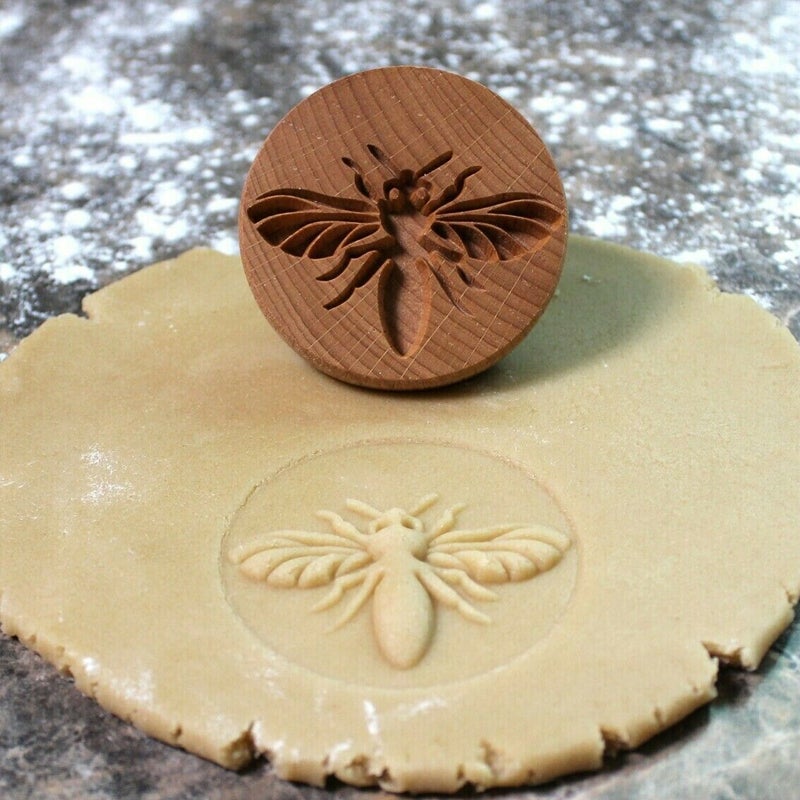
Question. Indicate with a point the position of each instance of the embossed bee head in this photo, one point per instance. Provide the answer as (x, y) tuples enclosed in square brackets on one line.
[(393, 517)]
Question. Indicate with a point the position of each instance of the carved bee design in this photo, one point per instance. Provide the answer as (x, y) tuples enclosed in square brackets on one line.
[(402, 567), (402, 235)]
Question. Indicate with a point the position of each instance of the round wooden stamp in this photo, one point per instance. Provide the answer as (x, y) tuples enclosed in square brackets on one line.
[(403, 228)]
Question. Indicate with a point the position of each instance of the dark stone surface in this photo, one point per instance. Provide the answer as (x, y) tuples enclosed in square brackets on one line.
[(127, 130)]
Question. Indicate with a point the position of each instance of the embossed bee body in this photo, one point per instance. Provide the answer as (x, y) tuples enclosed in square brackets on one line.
[(408, 237), (402, 610), (403, 568)]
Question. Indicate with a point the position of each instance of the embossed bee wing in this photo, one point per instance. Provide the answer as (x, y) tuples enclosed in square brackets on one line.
[(499, 554), (304, 559), (495, 228), (306, 223)]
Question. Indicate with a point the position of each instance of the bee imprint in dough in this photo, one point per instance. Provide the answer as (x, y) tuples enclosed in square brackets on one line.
[(402, 567)]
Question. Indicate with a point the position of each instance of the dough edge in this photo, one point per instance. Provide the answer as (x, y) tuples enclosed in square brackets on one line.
[(491, 766)]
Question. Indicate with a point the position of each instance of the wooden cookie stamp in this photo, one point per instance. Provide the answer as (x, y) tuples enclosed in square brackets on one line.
[(403, 228)]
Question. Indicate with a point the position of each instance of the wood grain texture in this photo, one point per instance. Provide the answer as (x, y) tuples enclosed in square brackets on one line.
[(403, 228)]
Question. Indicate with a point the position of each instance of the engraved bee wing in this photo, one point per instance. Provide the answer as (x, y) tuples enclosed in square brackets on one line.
[(306, 223), (495, 228), (305, 559), (501, 553)]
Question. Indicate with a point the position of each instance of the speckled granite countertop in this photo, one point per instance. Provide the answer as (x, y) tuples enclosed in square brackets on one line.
[(127, 130)]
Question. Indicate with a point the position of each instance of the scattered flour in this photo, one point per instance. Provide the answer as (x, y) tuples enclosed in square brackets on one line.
[(702, 257), (74, 190), (485, 11), (100, 470), (70, 274), (617, 132), (11, 20), (133, 126)]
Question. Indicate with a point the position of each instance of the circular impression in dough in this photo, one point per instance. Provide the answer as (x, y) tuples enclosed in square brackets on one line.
[(490, 584), (485, 545)]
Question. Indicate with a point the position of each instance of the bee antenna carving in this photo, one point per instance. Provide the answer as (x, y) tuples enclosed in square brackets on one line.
[(451, 192), (358, 178), (383, 159), (433, 165)]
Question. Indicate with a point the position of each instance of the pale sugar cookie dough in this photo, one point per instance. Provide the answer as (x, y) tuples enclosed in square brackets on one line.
[(487, 584)]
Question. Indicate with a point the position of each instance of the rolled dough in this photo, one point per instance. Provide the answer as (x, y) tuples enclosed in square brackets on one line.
[(489, 584)]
